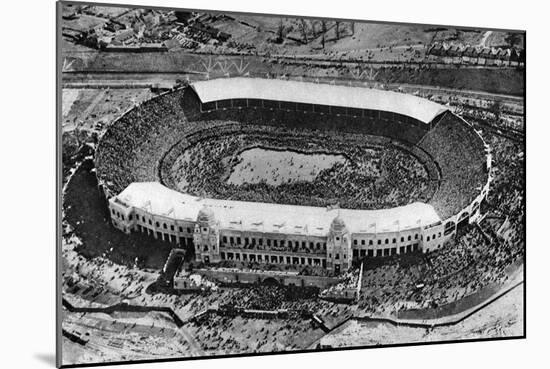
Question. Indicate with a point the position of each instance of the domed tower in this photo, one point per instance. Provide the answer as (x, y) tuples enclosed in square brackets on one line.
[(206, 237), (339, 253)]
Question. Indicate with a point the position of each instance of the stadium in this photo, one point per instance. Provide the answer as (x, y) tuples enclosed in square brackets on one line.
[(393, 173)]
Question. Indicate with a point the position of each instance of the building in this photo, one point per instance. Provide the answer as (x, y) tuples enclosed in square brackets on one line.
[(272, 233), (217, 230)]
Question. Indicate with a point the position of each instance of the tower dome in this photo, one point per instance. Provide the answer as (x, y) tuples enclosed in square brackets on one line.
[(338, 225), (206, 216)]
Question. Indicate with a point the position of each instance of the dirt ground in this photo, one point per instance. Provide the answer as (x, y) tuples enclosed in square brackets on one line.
[(86, 108), (276, 167), (122, 336), (503, 318), (222, 335)]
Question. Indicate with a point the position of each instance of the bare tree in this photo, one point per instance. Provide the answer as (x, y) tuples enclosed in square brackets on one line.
[(303, 29), (280, 31), (324, 31), (337, 29), (496, 108)]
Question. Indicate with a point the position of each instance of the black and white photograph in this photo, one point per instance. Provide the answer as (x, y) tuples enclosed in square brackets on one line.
[(237, 184)]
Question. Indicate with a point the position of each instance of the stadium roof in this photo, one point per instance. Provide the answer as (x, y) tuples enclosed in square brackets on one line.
[(157, 199), (317, 93)]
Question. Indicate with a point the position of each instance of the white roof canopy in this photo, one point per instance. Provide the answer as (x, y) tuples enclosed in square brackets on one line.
[(157, 199), (319, 94)]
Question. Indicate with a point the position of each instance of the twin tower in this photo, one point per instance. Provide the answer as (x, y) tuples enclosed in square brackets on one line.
[(212, 245)]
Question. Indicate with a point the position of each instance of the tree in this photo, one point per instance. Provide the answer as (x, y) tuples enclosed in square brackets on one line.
[(513, 39), (280, 31), (352, 25), (337, 29), (496, 108), (314, 32), (303, 30), (324, 31)]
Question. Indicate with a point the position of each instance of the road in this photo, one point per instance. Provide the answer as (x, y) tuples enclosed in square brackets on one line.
[(144, 80)]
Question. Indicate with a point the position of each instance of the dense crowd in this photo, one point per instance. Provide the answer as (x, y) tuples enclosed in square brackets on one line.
[(269, 297), (131, 148), (155, 139), (461, 156), (462, 267), (482, 256), (375, 175), (379, 173)]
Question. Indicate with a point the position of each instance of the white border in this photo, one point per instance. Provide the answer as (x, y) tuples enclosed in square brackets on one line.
[(28, 185)]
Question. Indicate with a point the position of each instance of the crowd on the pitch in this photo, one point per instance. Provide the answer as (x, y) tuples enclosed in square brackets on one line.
[(375, 175), (155, 141)]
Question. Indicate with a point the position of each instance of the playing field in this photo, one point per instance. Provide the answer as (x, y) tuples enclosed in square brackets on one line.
[(276, 167)]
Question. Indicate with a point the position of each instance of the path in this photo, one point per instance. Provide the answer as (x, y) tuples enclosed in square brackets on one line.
[(85, 113), (192, 342)]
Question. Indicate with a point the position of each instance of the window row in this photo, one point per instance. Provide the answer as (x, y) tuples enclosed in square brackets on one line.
[(337, 256), (158, 224), (118, 214), (386, 241), (433, 237), (245, 241), (184, 241), (274, 259), (385, 252)]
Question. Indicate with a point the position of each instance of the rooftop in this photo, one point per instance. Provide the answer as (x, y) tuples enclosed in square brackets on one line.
[(317, 93), (273, 218)]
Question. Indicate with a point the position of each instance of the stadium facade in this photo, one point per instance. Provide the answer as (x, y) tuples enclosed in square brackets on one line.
[(330, 238)]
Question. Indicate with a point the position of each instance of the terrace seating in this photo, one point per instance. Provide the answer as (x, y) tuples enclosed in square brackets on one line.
[(461, 157)]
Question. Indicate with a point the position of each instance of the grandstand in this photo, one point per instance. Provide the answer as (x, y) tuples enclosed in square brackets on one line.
[(135, 147)]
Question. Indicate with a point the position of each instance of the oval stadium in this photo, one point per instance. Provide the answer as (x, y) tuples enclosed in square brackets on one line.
[(281, 172)]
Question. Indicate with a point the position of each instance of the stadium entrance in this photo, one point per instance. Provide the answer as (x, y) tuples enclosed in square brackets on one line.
[(270, 281), (463, 220)]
